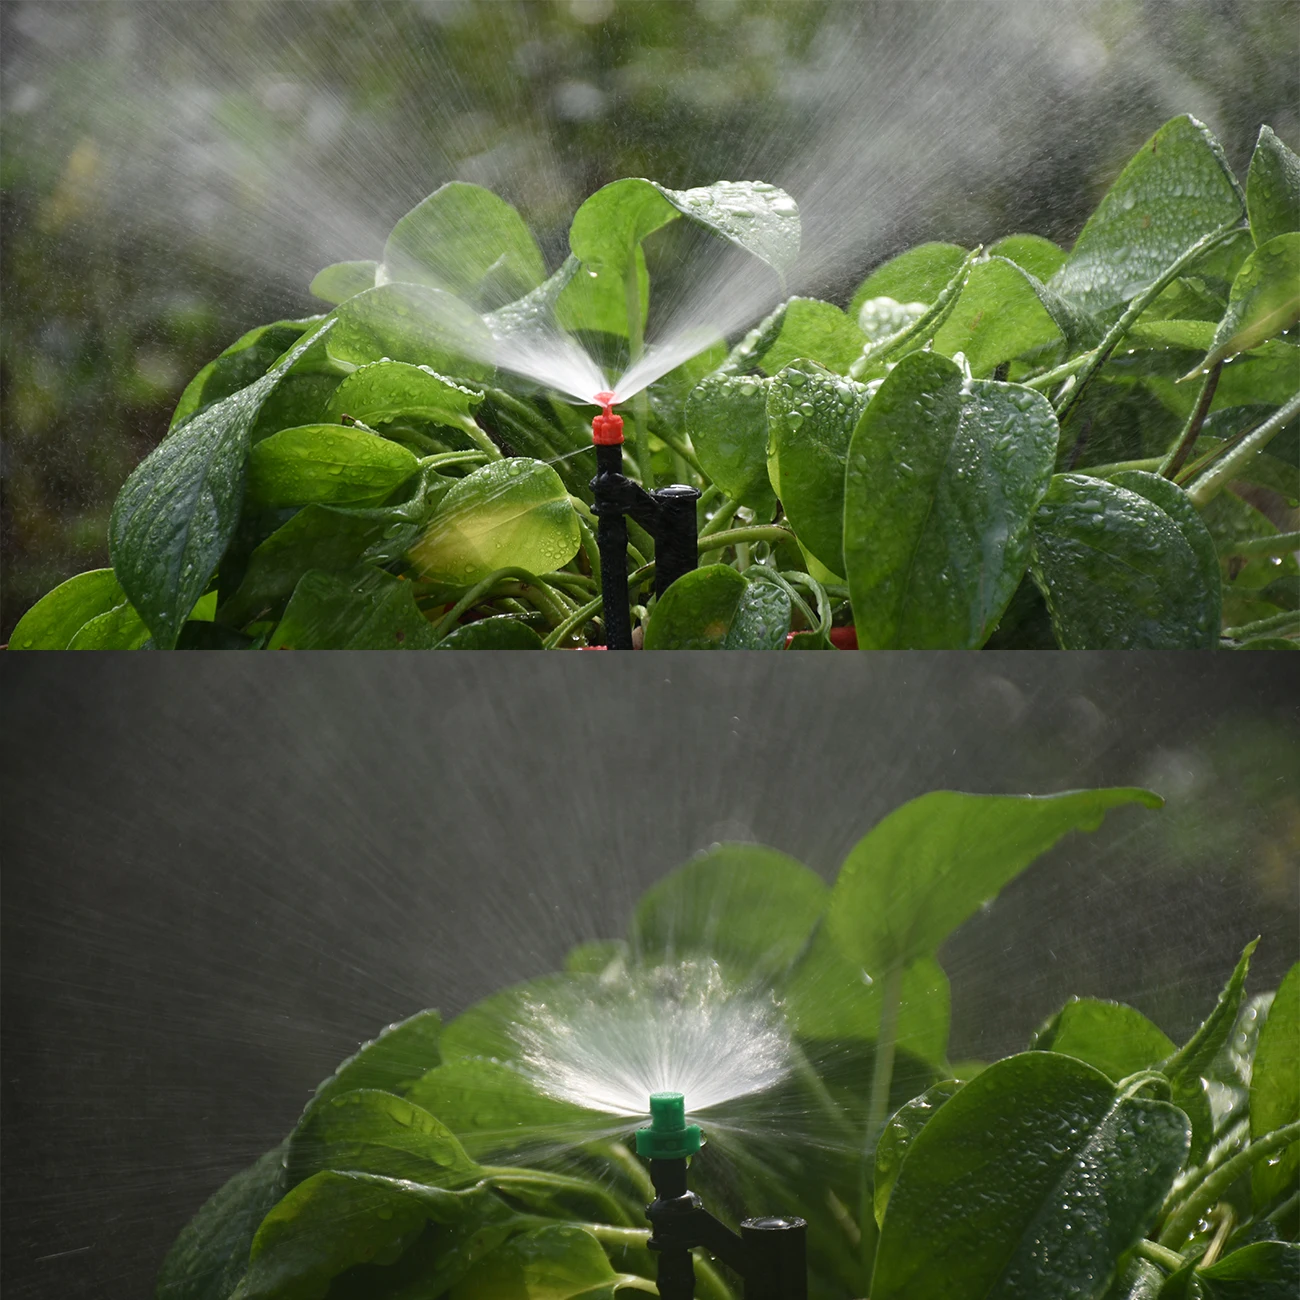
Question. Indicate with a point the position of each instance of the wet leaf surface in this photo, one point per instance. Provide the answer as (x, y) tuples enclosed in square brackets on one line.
[(716, 608), (1275, 1089), (1272, 189)]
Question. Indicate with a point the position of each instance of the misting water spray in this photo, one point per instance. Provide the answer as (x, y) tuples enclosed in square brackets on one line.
[(667, 514), (769, 1253)]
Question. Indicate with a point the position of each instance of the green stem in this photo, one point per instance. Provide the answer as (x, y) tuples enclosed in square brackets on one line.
[(453, 458), (482, 441), (1113, 337), (618, 1153), (1170, 1260), (571, 624), (1286, 1208), (1150, 464), (481, 589), (1276, 623), (1183, 1223), (1186, 440), (1278, 544), (743, 536), (1050, 378), (681, 449), (882, 1077), (721, 517), (1207, 487), (816, 1085)]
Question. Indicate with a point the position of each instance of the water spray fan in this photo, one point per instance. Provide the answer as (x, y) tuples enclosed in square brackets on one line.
[(667, 514), (769, 1253)]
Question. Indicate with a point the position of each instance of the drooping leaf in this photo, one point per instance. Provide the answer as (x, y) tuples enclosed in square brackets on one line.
[(1265, 300), (1117, 1039), (1118, 573), (1177, 189), (1265, 1270), (330, 464), (343, 280), (1033, 1180), (726, 417), (930, 864), (716, 608), (552, 1263), (815, 331), (394, 390), (1272, 189), (366, 610), (898, 1136), (55, 619), (513, 513), (175, 515), (1275, 1090), (749, 907), (400, 1054), (211, 1254), (918, 275), (468, 241), (811, 416), (943, 478), (498, 633)]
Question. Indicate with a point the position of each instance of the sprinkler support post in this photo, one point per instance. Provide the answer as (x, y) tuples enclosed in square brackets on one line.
[(769, 1253), (667, 514)]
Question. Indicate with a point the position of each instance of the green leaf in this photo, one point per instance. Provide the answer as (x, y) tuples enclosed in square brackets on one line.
[(485, 1029), (934, 861), (1266, 1270), (943, 477), (746, 906), (815, 331), (400, 1054), (1272, 189), (330, 464), (1032, 253), (175, 515), (552, 1263), (59, 615), (811, 415), (1004, 312), (120, 628), (1117, 1039), (1265, 300), (1275, 1090), (1177, 189), (342, 280), (726, 417), (594, 299), (466, 240), (413, 323), (367, 610), (211, 1254), (1118, 573), (716, 608), (1174, 502), (394, 390), (369, 1131), (498, 633), (333, 1222), (1031, 1181), (512, 513), (898, 1136), (918, 275)]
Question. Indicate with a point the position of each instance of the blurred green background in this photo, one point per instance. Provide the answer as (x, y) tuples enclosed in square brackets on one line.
[(172, 173)]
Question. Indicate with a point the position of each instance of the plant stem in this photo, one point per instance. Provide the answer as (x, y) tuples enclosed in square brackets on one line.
[(1101, 353), (1186, 440), (681, 449), (571, 624), (453, 458), (1287, 1207), (1050, 378), (481, 589), (1278, 544), (882, 1076), (1170, 1260), (742, 536), (1181, 1224), (721, 517), (1207, 487), (1276, 623), (482, 440), (1227, 1217)]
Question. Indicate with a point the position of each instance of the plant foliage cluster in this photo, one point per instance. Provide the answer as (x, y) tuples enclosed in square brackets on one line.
[(1106, 1161), (1008, 446)]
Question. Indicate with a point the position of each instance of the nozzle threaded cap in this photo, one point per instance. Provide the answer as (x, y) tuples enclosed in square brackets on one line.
[(669, 1136)]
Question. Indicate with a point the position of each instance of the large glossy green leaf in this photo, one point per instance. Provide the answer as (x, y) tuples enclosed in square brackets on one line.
[(512, 513), (498, 633), (211, 1254), (55, 619), (467, 240), (898, 1136), (1272, 189), (811, 415), (918, 275), (749, 907), (1265, 299), (1030, 1182), (552, 1263), (175, 515), (716, 608), (1275, 1089), (342, 280), (365, 610), (121, 628), (370, 1131), (943, 477), (1117, 1039), (395, 390), (331, 464), (1118, 573), (930, 864), (414, 323), (1266, 1270), (1177, 189), (726, 417), (400, 1054), (815, 331)]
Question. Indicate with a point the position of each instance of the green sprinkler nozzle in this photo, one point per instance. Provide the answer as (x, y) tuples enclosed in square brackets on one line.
[(669, 1136)]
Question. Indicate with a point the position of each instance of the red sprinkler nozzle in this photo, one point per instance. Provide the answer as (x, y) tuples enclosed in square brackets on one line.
[(607, 428)]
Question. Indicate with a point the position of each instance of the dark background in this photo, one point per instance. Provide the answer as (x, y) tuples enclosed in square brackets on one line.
[(221, 874)]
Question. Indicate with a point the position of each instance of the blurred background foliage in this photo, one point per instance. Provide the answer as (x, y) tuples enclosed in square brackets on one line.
[(173, 173)]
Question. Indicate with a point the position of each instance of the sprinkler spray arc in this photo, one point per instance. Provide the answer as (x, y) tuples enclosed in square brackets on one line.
[(769, 1253), (667, 514)]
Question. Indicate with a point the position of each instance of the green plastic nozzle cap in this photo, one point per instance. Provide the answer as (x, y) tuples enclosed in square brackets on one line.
[(669, 1136)]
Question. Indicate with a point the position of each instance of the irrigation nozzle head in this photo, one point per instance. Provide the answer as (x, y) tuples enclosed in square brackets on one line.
[(669, 1136), (606, 428)]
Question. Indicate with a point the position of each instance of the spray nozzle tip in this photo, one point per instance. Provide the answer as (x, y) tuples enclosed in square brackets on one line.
[(669, 1136)]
